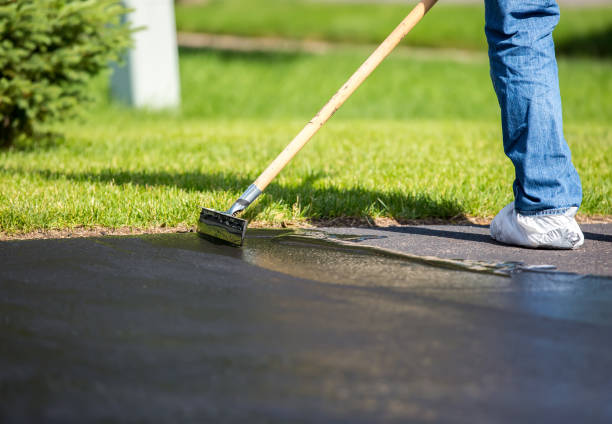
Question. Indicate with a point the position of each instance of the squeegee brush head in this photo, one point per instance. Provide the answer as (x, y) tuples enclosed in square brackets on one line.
[(220, 226)]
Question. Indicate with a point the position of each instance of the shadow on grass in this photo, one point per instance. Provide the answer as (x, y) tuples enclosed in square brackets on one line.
[(40, 141), (595, 44), (317, 205)]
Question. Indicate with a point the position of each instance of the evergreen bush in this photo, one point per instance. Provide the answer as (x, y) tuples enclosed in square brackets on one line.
[(49, 49)]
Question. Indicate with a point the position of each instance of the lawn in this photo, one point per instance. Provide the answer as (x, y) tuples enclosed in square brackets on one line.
[(420, 139), (581, 31)]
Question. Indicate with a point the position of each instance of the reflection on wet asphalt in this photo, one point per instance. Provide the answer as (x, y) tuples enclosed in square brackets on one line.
[(292, 328)]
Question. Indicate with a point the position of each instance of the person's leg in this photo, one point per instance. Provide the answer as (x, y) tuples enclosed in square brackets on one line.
[(525, 79)]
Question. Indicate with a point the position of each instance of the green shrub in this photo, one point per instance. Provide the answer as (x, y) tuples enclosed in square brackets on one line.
[(49, 49)]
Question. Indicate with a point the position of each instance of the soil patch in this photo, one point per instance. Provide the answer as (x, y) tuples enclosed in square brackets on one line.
[(347, 222)]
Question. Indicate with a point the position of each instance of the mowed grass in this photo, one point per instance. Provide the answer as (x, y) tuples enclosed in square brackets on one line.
[(420, 139), (295, 86), (581, 31)]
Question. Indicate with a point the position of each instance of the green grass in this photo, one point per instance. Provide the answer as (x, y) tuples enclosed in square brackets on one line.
[(281, 86), (420, 139), (580, 32)]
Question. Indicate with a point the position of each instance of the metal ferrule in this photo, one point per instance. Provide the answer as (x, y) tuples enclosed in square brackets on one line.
[(245, 200)]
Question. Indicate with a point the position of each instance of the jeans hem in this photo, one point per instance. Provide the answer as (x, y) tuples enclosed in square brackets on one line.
[(556, 211)]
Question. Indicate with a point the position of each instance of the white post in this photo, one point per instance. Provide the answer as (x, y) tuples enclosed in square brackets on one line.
[(150, 78)]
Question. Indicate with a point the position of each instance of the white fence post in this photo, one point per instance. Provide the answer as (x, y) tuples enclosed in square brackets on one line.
[(150, 78)]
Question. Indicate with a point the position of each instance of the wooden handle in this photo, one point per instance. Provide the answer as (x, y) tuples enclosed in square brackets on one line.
[(344, 93)]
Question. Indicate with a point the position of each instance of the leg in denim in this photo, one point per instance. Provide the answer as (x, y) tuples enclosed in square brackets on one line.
[(525, 78)]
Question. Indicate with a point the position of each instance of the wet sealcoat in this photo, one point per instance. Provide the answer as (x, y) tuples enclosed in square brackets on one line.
[(293, 327)]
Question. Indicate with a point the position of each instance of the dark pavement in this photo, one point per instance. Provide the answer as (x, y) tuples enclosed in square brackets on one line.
[(173, 328), (473, 242)]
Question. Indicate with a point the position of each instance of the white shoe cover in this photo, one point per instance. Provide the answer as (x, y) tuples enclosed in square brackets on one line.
[(546, 231)]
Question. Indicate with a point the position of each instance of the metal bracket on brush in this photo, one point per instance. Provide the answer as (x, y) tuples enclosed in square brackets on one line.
[(245, 200)]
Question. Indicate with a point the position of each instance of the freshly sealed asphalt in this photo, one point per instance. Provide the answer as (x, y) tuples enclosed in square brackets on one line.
[(296, 328), (473, 242)]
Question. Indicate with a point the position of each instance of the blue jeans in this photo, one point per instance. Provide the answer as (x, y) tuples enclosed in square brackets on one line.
[(525, 78)]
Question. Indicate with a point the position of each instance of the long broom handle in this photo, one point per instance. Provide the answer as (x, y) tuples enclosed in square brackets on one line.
[(344, 93)]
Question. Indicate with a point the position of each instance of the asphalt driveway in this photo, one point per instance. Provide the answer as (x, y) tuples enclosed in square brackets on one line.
[(292, 328)]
